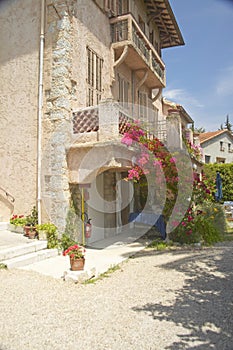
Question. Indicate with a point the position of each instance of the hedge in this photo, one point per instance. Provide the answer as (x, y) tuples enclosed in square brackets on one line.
[(226, 172)]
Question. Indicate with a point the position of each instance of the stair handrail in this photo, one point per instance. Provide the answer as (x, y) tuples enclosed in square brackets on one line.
[(12, 199)]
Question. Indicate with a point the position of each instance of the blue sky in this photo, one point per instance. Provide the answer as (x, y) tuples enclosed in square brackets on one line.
[(200, 73)]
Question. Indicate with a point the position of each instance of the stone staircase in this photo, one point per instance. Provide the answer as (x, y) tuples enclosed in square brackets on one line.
[(18, 251)]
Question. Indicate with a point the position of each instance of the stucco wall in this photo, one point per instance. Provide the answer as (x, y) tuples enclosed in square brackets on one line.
[(70, 27), (19, 43)]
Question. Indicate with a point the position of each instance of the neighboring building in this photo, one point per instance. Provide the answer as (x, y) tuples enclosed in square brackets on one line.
[(177, 116), (73, 73), (217, 146)]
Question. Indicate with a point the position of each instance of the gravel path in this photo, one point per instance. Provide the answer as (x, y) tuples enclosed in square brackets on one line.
[(157, 300)]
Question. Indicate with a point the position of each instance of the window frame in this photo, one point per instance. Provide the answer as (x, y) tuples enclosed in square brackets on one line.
[(94, 77)]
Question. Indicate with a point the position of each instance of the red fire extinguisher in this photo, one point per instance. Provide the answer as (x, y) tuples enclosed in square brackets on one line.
[(88, 228)]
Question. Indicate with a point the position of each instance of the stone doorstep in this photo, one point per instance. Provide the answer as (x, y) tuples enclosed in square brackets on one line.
[(79, 276), (30, 258), (9, 253), (4, 226)]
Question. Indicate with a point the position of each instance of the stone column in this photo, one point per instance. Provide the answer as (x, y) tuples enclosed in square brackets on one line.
[(174, 130), (58, 116)]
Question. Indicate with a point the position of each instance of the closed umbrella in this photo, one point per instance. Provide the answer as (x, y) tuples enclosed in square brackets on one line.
[(218, 194)]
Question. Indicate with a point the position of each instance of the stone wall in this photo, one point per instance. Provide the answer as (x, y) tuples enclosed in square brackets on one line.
[(57, 125)]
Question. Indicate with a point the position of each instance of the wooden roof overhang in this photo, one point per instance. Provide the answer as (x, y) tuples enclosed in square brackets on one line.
[(161, 13)]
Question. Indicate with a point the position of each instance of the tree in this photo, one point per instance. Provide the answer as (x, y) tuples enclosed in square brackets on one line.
[(221, 127), (200, 130), (228, 125)]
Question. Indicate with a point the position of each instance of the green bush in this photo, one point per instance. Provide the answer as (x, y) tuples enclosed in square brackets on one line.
[(183, 235), (206, 223), (52, 239), (48, 227), (66, 242), (226, 172)]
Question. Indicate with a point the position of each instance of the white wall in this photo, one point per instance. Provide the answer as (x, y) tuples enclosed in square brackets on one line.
[(212, 148)]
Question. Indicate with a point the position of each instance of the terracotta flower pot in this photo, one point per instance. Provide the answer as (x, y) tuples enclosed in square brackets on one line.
[(77, 264), (30, 232)]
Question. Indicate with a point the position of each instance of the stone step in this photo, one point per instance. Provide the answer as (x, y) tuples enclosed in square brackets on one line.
[(30, 258), (4, 226), (22, 249)]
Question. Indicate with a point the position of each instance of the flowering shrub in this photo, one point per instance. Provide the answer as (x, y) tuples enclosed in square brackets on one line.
[(203, 223), (201, 191), (75, 251), (194, 150), (18, 220), (155, 159)]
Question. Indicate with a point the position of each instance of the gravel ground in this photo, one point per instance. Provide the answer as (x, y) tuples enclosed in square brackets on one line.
[(157, 300)]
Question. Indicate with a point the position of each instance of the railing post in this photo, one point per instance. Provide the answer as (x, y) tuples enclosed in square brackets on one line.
[(150, 60), (130, 29), (108, 120)]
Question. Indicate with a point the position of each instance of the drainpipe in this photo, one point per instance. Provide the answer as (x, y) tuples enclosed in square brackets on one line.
[(40, 109)]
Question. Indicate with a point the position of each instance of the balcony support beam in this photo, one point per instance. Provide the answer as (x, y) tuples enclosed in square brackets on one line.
[(142, 81), (157, 95), (122, 57)]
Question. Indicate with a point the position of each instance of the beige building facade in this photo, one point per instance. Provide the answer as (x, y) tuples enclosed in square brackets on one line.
[(73, 74)]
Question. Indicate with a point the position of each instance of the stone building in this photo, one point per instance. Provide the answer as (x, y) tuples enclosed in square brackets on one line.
[(73, 73)]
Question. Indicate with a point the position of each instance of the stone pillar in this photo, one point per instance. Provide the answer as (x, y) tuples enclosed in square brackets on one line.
[(59, 89), (108, 120), (189, 135), (174, 130)]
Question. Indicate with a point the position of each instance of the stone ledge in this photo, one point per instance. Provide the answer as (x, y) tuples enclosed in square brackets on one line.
[(79, 276)]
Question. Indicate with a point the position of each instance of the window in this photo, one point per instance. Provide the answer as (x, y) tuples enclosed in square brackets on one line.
[(116, 7), (141, 24), (221, 146), (94, 77), (220, 160), (229, 147), (207, 159), (123, 91), (151, 37), (143, 104)]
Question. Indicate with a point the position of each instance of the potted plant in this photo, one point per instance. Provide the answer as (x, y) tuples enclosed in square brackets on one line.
[(46, 230), (77, 257), (31, 222), (17, 222)]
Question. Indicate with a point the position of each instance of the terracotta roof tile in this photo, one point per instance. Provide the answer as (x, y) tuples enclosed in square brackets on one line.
[(209, 135)]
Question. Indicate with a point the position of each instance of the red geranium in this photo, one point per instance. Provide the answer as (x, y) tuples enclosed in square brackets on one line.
[(75, 251)]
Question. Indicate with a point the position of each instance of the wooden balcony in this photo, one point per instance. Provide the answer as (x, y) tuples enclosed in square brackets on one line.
[(141, 54)]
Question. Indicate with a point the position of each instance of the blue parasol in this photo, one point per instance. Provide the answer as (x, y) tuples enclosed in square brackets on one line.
[(218, 193)]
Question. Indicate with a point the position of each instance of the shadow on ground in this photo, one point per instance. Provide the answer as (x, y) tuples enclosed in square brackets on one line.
[(204, 307)]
